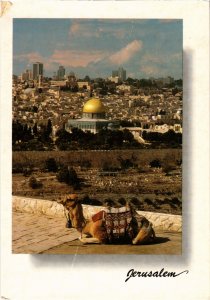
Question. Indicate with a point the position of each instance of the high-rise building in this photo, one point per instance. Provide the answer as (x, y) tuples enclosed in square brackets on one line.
[(120, 73), (27, 75), (37, 70), (115, 73), (61, 73), (168, 80)]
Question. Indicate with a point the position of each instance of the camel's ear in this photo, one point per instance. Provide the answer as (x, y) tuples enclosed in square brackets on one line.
[(62, 201), (59, 200), (128, 203), (70, 198)]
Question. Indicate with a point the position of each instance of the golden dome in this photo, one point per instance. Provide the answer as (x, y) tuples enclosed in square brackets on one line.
[(94, 106)]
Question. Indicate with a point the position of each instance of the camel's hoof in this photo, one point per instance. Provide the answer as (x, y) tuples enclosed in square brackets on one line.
[(90, 240), (83, 240)]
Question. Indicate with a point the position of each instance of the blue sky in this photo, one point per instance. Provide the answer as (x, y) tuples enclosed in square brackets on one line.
[(95, 47)]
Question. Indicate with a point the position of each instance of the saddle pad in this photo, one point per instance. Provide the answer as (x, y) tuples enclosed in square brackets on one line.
[(116, 210), (117, 224), (98, 216)]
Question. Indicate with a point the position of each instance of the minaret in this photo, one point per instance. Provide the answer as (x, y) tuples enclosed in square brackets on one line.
[(40, 82)]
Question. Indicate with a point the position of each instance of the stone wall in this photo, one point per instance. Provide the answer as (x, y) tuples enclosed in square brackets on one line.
[(51, 208)]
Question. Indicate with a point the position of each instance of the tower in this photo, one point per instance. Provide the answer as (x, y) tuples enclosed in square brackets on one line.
[(61, 73), (122, 74), (37, 70)]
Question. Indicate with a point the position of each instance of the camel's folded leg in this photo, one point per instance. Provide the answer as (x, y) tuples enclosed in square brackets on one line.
[(89, 240), (143, 235), (153, 234)]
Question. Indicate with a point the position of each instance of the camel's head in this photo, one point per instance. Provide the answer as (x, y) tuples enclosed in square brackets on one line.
[(69, 201), (73, 205)]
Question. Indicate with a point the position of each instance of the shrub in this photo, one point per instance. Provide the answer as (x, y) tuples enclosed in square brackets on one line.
[(135, 201), (158, 202), (63, 175), (96, 202), (143, 169), (155, 163), (17, 168), (51, 165), (106, 166), (69, 176), (166, 201), (176, 201), (86, 164), (148, 201), (86, 200), (179, 162), (109, 202), (34, 183), (168, 168), (27, 172), (122, 201), (126, 163)]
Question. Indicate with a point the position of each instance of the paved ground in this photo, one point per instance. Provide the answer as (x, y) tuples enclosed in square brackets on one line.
[(34, 233)]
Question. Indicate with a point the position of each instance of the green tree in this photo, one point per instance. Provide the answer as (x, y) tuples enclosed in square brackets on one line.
[(69, 176), (49, 128), (51, 165), (34, 183), (35, 130)]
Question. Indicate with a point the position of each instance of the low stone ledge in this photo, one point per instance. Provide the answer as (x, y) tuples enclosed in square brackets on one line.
[(37, 206), (160, 221)]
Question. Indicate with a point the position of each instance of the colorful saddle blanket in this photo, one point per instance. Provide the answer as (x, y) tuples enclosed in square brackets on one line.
[(117, 222), (121, 224), (98, 216)]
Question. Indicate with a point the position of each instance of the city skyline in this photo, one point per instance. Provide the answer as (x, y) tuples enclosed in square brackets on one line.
[(145, 48)]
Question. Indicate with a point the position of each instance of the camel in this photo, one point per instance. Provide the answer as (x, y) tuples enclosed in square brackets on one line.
[(94, 230)]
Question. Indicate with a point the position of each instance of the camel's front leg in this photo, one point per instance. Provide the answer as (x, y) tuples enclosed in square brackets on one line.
[(153, 234), (89, 240), (143, 235)]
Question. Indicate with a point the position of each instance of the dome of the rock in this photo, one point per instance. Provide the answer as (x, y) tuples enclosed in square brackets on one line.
[(94, 106)]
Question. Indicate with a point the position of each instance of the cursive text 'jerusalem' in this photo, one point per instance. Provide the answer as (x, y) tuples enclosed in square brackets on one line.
[(162, 273)]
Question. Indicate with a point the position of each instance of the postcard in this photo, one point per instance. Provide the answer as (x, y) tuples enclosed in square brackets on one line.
[(97, 123), (102, 148)]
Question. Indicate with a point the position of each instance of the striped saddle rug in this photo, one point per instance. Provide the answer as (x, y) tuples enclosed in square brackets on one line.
[(117, 223)]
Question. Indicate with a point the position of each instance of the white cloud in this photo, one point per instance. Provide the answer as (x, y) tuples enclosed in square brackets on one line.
[(30, 57), (153, 58), (116, 32), (150, 70), (126, 53), (81, 29), (67, 58), (72, 58), (160, 59)]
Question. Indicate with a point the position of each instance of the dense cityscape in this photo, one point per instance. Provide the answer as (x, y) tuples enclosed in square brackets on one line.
[(142, 106)]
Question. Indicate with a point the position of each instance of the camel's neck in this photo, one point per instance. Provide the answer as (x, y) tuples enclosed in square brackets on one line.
[(77, 217)]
